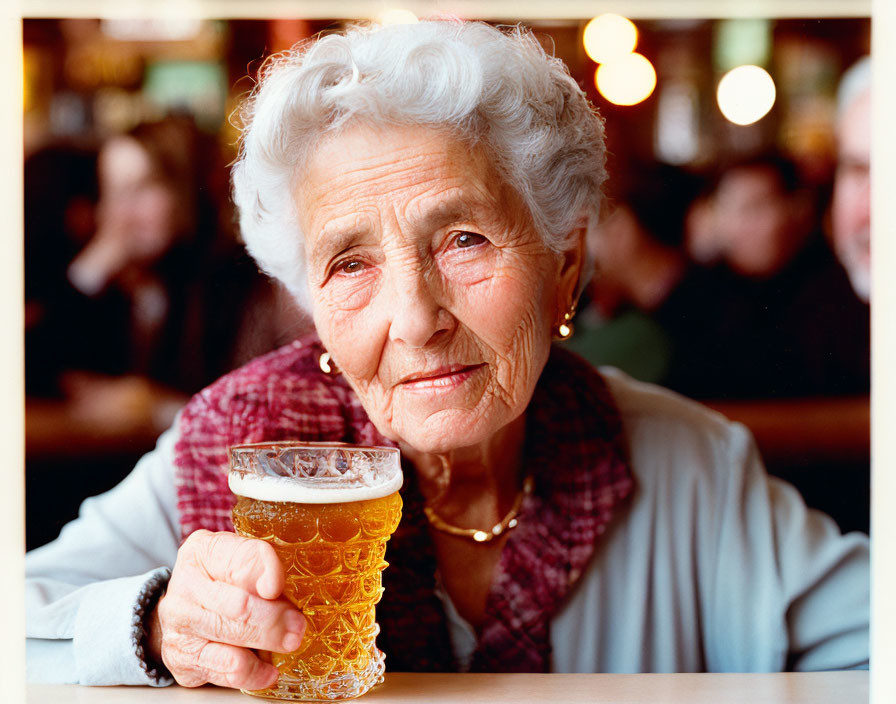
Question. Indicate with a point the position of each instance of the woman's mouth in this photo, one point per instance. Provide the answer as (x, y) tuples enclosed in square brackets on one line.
[(442, 379)]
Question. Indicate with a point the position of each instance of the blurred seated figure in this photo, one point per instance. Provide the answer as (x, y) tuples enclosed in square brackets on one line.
[(845, 421), (778, 320), (762, 217), (160, 301), (770, 335), (165, 246), (781, 343), (644, 282), (851, 205)]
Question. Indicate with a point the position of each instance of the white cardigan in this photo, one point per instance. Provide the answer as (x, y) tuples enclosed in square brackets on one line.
[(715, 566)]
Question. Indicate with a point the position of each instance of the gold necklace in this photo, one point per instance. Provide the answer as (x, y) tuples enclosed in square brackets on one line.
[(483, 536)]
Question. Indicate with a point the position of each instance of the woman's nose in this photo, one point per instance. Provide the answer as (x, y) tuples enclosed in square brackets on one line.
[(417, 315)]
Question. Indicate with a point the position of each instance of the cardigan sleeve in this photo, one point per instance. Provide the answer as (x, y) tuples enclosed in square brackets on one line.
[(85, 593), (716, 566), (788, 591)]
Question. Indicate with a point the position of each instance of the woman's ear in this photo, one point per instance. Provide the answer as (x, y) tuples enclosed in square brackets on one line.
[(573, 260)]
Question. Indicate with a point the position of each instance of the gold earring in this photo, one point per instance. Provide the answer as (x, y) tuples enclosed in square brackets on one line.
[(327, 365), (566, 329)]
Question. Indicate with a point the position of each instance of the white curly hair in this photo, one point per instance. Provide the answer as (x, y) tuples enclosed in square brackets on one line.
[(492, 87)]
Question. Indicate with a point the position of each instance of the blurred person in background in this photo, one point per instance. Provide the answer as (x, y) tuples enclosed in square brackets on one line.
[(780, 321), (159, 301), (851, 205), (645, 287), (165, 246), (783, 343), (762, 216), (769, 335)]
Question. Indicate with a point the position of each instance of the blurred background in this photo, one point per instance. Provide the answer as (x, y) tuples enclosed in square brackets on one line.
[(717, 272)]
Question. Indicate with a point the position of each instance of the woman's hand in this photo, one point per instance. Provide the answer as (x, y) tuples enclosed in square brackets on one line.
[(223, 599)]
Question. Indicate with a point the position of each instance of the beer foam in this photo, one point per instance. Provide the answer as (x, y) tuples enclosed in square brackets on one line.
[(310, 491)]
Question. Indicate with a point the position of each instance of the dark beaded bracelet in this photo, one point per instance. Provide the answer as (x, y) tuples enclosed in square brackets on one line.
[(146, 602)]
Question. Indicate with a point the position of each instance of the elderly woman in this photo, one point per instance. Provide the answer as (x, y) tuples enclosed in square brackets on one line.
[(426, 192)]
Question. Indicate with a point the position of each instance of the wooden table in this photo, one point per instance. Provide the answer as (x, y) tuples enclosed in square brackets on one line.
[(789, 688)]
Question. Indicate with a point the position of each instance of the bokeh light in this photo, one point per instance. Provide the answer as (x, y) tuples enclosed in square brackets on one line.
[(746, 94), (628, 80), (395, 15), (609, 37)]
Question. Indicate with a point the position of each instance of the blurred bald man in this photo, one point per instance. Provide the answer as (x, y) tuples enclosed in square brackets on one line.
[(851, 205)]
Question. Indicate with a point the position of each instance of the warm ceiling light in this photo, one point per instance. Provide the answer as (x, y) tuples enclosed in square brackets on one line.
[(608, 37), (395, 15), (746, 94), (162, 28), (626, 81)]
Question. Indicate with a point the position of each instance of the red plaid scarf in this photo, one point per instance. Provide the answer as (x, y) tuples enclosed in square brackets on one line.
[(574, 449)]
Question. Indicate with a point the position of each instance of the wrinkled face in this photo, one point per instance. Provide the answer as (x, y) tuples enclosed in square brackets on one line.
[(428, 283), (851, 205)]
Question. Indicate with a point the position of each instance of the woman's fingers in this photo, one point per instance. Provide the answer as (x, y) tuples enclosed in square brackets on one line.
[(221, 601), (200, 662), (227, 614), (229, 666), (250, 564)]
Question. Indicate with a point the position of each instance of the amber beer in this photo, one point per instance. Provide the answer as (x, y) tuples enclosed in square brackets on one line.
[(328, 510)]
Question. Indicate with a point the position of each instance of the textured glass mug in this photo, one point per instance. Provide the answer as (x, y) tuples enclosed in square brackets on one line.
[(328, 510)]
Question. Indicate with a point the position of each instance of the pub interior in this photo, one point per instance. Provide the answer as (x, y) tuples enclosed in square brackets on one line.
[(717, 273), (118, 335)]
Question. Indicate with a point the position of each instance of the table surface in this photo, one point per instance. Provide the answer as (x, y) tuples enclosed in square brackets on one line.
[(786, 688)]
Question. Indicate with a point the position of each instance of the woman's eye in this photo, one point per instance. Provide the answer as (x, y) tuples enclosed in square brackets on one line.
[(468, 239), (351, 266)]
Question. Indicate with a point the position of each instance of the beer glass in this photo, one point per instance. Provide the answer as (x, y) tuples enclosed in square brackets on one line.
[(328, 510)]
